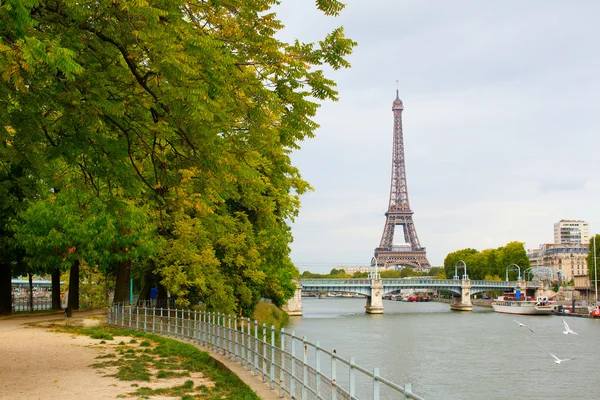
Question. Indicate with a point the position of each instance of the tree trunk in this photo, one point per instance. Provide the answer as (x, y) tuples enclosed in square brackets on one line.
[(73, 301), (5, 289), (122, 284), (30, 292), (56, 289)]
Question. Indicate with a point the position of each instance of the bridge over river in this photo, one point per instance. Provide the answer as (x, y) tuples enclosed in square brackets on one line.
[(375, 289)]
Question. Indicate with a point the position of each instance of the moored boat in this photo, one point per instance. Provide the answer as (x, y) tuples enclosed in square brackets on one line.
[(523, 306)]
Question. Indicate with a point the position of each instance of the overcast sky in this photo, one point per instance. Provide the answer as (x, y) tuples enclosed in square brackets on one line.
[(500, 125)]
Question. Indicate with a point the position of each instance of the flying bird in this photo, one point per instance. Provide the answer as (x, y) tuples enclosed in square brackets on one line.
[(558, 360), (567, 329), (523, 325)]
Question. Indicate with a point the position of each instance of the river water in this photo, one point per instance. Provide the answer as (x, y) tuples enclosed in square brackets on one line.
[(454, 355)]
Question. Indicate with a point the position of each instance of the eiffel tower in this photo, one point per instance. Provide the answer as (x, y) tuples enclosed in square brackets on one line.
[(407, 251)]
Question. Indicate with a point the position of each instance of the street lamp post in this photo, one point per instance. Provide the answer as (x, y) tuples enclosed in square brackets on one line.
[(465, 276), (374, 270), (518, 268), (595, 273)]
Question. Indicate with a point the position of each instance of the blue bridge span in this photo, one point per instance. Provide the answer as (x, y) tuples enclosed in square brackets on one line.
[(375, 289)]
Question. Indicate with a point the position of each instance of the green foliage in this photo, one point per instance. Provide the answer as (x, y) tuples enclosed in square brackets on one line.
[(101, 335), (438, 273), (591, 262), (489, 262), (271, 315), (390, 274), (190, 108)]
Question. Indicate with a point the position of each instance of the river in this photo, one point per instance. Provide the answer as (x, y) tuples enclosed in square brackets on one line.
[(454, 355)]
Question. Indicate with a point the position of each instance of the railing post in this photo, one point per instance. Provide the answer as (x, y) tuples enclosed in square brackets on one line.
[(213, 316), (352, 377), (229, 342), (304, 368), (282, 366), (235, 341), (219, 334), (255, 348), (145, 319), (195, 328), (129, 317), (318, 368), (376, 384), (407, 390), (272, 367), (249, 347), (333, 375), (264, 352), (168, 322), (293, 367), (243, 354)]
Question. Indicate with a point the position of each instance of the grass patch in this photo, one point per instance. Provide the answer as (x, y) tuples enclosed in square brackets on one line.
[(101, 335), (162, 374), (167, 356), (134, 370)]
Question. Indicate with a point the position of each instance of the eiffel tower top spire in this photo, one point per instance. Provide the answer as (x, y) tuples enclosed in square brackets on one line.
[(397, 103)]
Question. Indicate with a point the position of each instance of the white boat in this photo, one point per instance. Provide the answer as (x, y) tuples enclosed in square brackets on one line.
[(525, 306)]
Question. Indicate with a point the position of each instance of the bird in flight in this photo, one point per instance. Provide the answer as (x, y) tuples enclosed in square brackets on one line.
[(567, 329), (523, 325), (558, 360)]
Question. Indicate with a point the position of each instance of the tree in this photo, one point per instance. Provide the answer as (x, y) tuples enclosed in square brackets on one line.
[(191, 107), (60, 231), (16, 186), (452, 259), (592, 262), (489, 262)]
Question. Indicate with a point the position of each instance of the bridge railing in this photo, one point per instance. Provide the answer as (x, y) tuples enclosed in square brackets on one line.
[(291, 364), (409, 282)]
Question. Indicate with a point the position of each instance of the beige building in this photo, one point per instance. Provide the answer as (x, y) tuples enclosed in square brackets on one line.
[(354, 270), (568, 231), (569, 259)]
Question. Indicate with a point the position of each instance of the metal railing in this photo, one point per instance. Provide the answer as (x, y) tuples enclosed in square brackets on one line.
[(297, 368), (20, 304)]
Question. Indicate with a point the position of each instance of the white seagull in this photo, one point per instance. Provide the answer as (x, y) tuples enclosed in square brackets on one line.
[(523, 325), (558, 360), (567, 329)]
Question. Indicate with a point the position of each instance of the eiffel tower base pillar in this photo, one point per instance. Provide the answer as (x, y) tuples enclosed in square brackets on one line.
[(463, 302), (294, 305), (375, 300)]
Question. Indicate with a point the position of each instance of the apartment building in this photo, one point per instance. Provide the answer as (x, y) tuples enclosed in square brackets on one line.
[(569, 259), (568, 231)]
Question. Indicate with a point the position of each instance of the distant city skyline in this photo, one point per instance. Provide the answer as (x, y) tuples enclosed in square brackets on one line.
[(500, 126)]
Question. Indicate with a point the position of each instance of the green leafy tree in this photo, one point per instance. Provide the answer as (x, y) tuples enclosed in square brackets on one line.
[(59, 232), (16, 186), (191, 107), (453, 258), (489, 262), (593, 261), (437, 272)]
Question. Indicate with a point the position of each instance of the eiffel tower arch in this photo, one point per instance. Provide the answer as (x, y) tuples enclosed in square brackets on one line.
[(399, 242)]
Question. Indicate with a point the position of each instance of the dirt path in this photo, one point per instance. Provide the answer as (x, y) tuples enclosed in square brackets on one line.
[(36, 363), (40, 364)]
